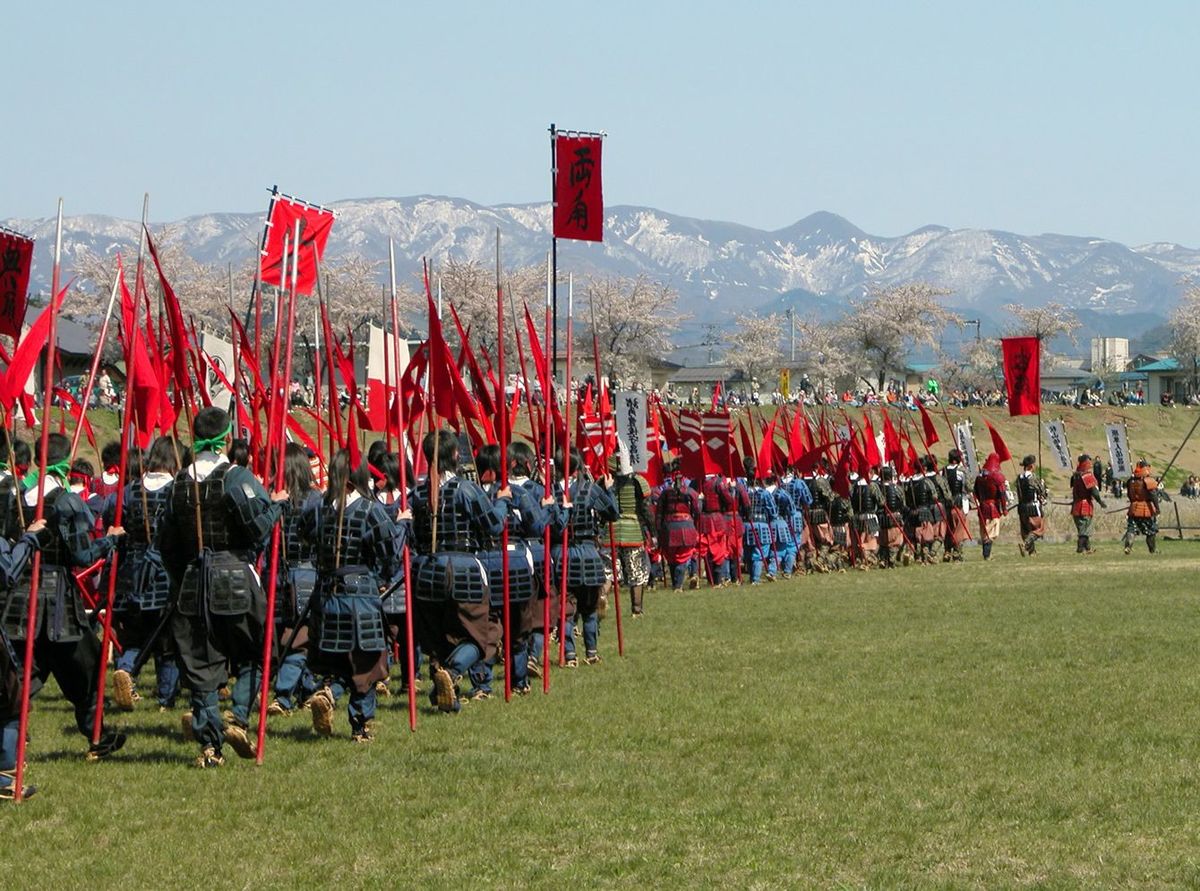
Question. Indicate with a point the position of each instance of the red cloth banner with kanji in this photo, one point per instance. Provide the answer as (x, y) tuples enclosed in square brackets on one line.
[(1022, 374), (315, 225), (16, 259), (578, 196)]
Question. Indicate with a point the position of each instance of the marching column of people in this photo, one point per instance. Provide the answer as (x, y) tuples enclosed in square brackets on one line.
[(189, 595)]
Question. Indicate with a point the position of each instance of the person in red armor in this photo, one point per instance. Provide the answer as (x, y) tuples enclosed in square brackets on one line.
[(677, 512), (991, 494), (1085, 491), (712, 527)]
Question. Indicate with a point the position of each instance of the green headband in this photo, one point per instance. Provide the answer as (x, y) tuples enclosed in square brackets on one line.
[(60, 469), (213, 443)]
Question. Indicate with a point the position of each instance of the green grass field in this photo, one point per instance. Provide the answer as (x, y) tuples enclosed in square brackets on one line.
[(1017, 723)]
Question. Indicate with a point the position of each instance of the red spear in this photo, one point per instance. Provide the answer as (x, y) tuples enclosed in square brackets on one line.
[(547, 384), (612, 540), (566, 474), (35, 573)]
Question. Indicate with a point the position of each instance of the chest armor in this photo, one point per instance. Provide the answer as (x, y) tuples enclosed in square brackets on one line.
[(676, 503), (342, 536), (893, 498), (143, 511), (956, 481), (760, 510), (216, 519), (454, 531), (822, 493), (839, 511), (581, 519), (1027, 492), (863, 499)]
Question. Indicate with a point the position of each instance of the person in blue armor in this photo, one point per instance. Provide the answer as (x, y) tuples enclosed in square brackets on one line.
[(452, 518), (761, 512), (783, 540), (384, 467), (297, 579), (64, 644), (526, 519), (143, 588), (801, 501), (216, 525), (358, 553), (587, 503), (522, 476)]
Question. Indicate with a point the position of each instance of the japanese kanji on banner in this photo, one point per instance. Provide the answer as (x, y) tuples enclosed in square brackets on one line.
[(1022, 374), (1056, 433), (315, 225), (631, 429), (578, 195), (16, 260), (1118, 451), (965, 441)]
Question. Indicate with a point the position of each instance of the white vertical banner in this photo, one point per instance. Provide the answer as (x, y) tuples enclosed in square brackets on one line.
[(843, 433), (1118, 451), (221, 353), (630, 415), (965, 441), (1056, 433)]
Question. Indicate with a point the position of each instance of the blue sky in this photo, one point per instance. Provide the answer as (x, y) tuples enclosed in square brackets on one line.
[(1032, 117)]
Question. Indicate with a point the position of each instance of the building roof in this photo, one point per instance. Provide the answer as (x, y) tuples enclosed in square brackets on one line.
[(920, 367), (1160, 366)]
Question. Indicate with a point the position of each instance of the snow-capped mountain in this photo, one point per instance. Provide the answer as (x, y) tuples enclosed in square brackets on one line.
[(718, 267)]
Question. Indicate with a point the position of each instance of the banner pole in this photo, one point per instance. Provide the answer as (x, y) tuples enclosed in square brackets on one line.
[(547, 383), (39, 514)]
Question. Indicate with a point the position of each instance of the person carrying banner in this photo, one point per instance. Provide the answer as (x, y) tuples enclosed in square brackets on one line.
[(716, 502), (64, 643), (921, 496), (1085, 490), (865, 500), (1031, 495), (587, 504), (631, 529), (294, 682), (358, 553), (784, 543), (1142, 516), (891, 518), (991, 494), (452, 517), (958, 507), (820, 532), (215, 525), (761, 513), (143, 588), (802, 500), (676, 515)]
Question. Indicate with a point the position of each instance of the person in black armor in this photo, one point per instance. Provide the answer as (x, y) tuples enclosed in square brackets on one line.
[(920, 497), (943, 515), (839, 524), (358, 552), (865, 498), (14, 462), (65, 644), (143, 589), (587, 504), (819, 529), (452, 518), (297, 579), (13, 559), (958, 506), (1031, 495), (217, 523), (891, 519)]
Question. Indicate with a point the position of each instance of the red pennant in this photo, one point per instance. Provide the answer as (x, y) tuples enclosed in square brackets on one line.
[(998, 444)]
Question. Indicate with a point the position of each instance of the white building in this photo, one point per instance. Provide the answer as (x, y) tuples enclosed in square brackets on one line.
[(1110, 352)]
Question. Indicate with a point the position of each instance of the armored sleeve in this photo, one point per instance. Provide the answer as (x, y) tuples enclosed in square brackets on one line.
[(533, 517), (13, 558), (385, 545), (75, 523), (801, 493), (250, 504), (485, 515), (601, 501)]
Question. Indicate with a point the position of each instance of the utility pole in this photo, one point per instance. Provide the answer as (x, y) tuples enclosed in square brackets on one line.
[(791, 313)]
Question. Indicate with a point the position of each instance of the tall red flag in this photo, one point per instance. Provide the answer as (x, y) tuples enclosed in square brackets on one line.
[(998, 444), (26, 355), (928, 432), (578, 196), (16, 260), (315, 226), (1022, 374), (870, 444)]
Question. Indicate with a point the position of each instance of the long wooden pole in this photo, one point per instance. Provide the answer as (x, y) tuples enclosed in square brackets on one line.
[(280, 443), (612, 538), (35, 573), (547, 384), (410, 664), (502, 433), (566, 475)]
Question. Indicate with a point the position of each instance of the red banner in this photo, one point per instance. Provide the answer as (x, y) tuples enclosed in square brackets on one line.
[(578, 196), (315, 224), (1022, 374), (16, 259)]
